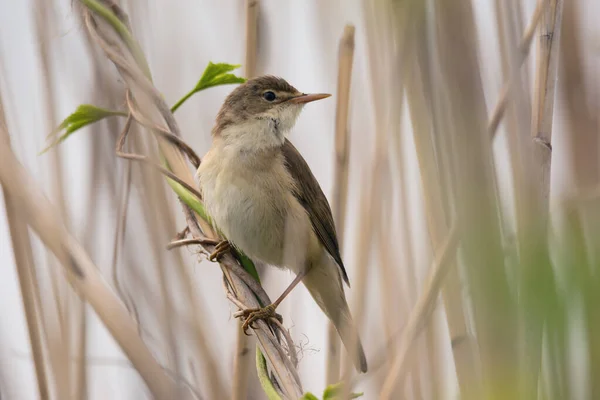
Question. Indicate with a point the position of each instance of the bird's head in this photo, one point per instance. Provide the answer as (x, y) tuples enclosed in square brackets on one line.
[(259, 113)]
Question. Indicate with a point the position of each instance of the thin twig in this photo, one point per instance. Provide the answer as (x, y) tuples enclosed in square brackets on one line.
[(186, 242)]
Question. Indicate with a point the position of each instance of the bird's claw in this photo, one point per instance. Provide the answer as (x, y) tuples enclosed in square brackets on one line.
[(221, 248), (254, 314)]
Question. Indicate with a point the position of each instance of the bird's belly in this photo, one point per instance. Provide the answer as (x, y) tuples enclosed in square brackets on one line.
[(253, 224), (260, 220)]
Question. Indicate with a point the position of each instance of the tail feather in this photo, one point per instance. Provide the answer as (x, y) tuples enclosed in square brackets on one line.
[(325, 285), (349, 335)]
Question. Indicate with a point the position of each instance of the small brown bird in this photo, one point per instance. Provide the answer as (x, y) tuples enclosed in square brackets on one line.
[(262, 195)]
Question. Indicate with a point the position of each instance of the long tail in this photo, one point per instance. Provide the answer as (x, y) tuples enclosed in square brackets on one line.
[(325, 285)]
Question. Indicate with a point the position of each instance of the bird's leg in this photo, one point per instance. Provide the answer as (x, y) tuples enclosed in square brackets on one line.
[(220, 249), (253, 314)]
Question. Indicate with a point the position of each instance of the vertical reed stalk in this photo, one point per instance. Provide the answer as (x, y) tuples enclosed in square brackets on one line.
[(340, 180), (534, 268), (61, 349), (581, 101), (541, 134), (474, 198), (243, 357)]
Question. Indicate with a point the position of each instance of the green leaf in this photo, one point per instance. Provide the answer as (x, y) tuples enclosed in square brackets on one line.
[(217, 74), (213, 75), (332, 392), (84, 115)]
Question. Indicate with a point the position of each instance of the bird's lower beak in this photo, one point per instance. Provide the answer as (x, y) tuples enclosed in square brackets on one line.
[(307, 98)]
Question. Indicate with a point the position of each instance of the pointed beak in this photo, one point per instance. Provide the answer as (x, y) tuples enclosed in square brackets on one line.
[(307, 98)]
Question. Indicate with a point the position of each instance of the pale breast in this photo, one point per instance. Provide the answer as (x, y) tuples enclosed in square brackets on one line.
[(251, 202)]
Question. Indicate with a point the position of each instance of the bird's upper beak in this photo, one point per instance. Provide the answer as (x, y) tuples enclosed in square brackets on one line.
[(307, 98)]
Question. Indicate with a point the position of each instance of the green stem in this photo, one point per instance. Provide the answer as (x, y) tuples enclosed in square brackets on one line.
[(263, 376), (182, 100)]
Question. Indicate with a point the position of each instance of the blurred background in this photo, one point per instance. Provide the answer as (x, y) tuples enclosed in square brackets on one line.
[(466, 204)]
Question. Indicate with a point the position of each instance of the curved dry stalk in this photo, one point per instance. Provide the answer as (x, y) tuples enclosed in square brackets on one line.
[(154, 109)]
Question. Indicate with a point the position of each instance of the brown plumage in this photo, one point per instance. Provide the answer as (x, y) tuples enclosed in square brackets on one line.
[(312, 198)]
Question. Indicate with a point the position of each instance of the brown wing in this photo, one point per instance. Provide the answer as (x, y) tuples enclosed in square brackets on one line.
[(310, 195)]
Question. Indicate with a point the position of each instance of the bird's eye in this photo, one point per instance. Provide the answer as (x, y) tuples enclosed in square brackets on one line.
[(269, 96)]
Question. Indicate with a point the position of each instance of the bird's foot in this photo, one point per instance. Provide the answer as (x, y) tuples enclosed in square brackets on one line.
[(254, 314), (221, 248)]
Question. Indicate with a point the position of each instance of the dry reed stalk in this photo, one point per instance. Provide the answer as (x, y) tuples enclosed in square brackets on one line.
[(421, 107), (544, 91), (492, 125), (541, 131), (474, 198), (531, 203), (155, 198), (524, 46), (581, 102), (60, 349), (389, 27), (413, 39), (436, 211), (156, 114), (370, 196), (422, 310), (388, 260), (23, 253), (243, 357), (362, 253), (340, 186)]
